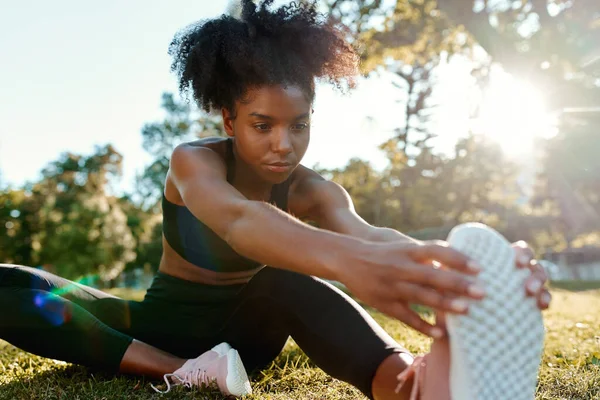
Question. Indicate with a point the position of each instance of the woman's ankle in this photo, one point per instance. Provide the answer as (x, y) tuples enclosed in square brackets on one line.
[(143, 359), (385, 381)]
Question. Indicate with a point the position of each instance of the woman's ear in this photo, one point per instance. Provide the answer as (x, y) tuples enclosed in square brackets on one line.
[(227, 122)]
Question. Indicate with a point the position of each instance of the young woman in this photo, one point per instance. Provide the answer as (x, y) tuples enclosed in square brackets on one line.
[(239, 268)]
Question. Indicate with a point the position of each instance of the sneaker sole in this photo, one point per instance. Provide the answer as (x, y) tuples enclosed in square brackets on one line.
[(237, 380), (496, 348)]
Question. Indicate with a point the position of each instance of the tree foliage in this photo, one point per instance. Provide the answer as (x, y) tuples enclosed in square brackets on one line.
[(68, 221), (554, 44)]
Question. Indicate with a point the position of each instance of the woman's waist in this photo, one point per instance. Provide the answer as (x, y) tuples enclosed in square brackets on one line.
[(218, 271), (174, 290), (198, 275)]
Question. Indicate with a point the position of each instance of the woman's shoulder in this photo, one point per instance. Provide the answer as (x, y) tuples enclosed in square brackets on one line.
[(190, 159), (218, 144), (210, 152), (303, 175), (313, 195), (305, 182)]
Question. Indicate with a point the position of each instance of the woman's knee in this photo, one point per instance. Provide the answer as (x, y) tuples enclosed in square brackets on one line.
[(8, 267), (33, 307), (22, 277), (5, 271)]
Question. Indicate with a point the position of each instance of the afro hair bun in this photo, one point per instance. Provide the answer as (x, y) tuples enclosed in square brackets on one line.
[(218, 60)]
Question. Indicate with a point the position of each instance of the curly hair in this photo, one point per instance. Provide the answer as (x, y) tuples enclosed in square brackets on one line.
[(218, 60)]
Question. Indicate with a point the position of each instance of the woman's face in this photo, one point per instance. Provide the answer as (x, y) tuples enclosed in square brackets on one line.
[(271, 129)]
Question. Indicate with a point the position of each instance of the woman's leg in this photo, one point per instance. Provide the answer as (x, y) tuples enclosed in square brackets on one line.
[(330, 327), (56, 318)]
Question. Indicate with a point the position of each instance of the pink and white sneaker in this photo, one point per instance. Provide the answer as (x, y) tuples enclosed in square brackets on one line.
[(221, 365), (494, 351)]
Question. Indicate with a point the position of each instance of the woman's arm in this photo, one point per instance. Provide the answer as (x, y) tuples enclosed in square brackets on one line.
[(255, 229)]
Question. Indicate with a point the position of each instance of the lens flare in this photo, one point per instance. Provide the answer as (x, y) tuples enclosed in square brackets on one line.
[(52, 306)]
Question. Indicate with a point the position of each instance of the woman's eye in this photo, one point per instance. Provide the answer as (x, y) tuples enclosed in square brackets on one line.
[(299, 127), (262, 127)]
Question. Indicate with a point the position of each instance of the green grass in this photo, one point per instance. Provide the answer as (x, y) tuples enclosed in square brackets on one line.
[(577, 286), (570, 368)]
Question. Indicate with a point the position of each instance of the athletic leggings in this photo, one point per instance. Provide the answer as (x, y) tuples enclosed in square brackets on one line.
[(56, 318)]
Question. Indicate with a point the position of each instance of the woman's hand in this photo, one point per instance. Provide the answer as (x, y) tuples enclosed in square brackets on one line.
[(392, 276), (534, 286)]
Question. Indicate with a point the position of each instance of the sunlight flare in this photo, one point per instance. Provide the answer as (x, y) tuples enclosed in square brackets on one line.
[(513, 114)]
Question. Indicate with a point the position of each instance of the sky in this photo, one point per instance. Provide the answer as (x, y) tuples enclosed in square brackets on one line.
[(78, 74)]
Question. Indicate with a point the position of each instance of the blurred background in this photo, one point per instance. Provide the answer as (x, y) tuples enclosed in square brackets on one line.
[(485, 110)]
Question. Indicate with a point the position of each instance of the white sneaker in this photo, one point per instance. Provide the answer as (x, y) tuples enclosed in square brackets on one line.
[(221, 365), (496, 348)]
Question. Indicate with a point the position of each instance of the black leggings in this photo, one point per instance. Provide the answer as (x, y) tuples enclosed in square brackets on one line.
[(56, 318)]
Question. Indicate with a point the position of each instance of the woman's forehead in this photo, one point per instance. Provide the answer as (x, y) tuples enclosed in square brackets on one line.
[(276, 98)]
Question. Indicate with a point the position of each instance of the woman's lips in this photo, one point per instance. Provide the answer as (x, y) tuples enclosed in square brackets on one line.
[(279, 167)]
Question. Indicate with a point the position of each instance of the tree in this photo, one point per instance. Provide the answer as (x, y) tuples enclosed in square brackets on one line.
[(15, 227), (74, 225), (425, 188), (366, 187), (411, 31), (553, 44), (480, 184), (409, 151)]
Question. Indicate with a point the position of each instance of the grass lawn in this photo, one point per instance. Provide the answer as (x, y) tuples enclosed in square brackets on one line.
[(570, 368)]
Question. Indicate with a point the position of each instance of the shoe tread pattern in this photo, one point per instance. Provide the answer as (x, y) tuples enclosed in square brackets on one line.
[(500, 342)]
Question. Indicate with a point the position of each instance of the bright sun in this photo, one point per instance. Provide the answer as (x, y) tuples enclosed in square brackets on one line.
[(513, 114)]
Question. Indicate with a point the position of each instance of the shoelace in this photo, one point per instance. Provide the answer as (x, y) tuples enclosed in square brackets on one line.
[(415, 369), (197, 376)]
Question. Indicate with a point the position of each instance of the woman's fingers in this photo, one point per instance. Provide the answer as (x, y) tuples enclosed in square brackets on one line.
[(442, 280), (534, 285), (402, 312), (429, 297), (535, 282), (440, 320), (447, 256), (544, 299), (523, 254)]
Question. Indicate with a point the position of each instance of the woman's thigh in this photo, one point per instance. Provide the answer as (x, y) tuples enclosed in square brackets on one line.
[(164, 324), (117, 313), (22, 277)]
